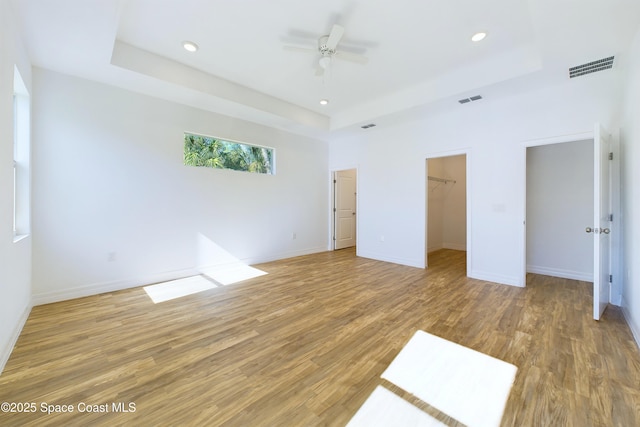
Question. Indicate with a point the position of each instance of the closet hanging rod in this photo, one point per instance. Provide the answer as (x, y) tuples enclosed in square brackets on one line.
[(433, 178)]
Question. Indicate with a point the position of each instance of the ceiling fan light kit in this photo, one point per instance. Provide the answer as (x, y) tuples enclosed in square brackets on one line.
[(325, 62)]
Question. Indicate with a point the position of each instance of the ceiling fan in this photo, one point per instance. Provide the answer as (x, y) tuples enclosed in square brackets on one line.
[(328, 49)]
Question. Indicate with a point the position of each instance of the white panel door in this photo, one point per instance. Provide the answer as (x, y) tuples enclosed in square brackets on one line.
[(602, 222), (345, 209)]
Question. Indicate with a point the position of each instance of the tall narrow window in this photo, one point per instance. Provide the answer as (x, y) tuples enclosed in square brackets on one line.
[(21, 158)]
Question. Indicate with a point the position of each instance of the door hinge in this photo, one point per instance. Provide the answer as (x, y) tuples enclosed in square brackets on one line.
[(334, 238), (334, 209), (610, 217), (610, 156), (334, 181), (611, 278)]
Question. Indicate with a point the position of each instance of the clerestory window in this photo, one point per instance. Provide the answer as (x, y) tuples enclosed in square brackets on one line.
[(217, 153)]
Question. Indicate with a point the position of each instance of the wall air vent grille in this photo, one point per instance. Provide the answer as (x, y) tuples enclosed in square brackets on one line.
[(370, 125), (591, 67)]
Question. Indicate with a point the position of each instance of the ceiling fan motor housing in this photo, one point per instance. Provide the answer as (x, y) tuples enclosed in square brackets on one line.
[(323, 48)]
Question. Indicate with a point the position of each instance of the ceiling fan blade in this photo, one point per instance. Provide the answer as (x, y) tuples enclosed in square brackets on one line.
[(300, 49), (334, 36), (353, 57)]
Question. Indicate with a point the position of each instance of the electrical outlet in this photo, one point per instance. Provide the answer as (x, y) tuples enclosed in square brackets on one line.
[(294, 235)]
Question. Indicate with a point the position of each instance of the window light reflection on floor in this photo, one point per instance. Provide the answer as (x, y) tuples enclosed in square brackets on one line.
[(217, 267), (173, 289), (231, 273), (210, 278)]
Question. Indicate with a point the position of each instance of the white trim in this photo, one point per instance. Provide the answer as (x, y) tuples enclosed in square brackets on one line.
[(111, 286), (402, 261), (581, 136), (468, 192), (284, 255), (559, 139), (455, 246), (635, 329), (558, 272), (332, 205), (495, 278), (13, 339), (19, 237), (617, 245), (118, 285)]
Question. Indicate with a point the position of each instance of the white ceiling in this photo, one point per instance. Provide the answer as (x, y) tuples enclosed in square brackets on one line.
[(419, 51)]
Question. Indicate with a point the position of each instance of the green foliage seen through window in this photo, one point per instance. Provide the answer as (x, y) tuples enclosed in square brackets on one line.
[(217, 153)]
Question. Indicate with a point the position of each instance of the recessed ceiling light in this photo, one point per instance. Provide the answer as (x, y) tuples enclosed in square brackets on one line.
[(190, 46), (324, 101), (478, 36)]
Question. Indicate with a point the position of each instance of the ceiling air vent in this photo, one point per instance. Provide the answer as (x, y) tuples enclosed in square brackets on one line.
[(591, 67), (471, 98), (370, 125)]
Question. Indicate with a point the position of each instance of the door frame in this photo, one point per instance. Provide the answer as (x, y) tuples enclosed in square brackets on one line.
[(537, 143), (332, 211), (467, 153), (615, 250)]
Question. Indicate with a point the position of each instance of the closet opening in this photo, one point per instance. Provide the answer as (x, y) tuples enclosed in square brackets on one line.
[(446, 211)]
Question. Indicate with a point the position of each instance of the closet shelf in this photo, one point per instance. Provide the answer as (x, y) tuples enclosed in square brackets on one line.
[(446, 181)]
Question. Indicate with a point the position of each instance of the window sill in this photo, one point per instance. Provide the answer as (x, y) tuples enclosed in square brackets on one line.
[(19, 237)]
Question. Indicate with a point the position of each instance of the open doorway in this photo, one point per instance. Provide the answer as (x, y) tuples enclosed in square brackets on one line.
[(344, 208), (584, 227), (446, 222), (560, 200)]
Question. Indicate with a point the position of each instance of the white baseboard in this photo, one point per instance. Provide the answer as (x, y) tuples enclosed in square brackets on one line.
[(5, 353), (635, 329), (393, 260), (495, 278), (455, 246), (116, 285), (557, 272), (284, 255)]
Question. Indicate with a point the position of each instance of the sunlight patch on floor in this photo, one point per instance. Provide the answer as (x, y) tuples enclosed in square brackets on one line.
[(173, 289), (231, 273), (462, 383), (384, 408)]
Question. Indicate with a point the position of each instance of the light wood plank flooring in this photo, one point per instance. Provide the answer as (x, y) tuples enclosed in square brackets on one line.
[(305, 345)]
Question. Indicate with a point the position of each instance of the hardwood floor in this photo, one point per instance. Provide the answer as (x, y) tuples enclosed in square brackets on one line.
[(306, 344)]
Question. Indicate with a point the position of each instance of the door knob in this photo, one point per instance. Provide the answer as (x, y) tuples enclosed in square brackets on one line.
[(606, 230), (588, 229)]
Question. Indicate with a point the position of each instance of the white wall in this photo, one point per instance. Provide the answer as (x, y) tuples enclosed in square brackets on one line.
[(559, 208), (630, 158), (447, 219), (435, 205), (114, 206), (392, 174), (15, 258)]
